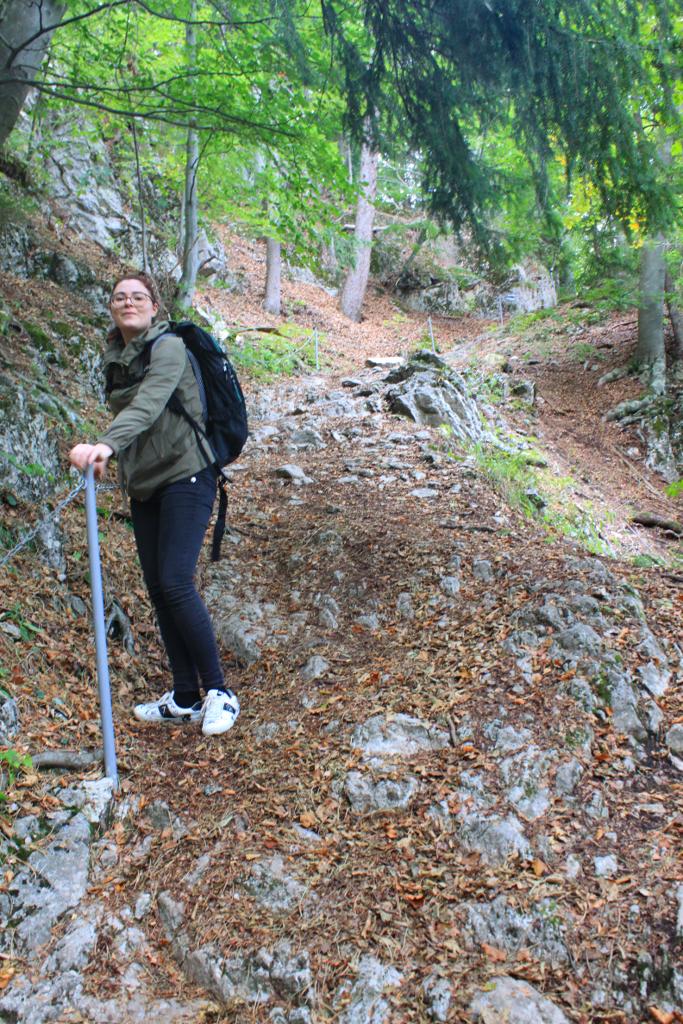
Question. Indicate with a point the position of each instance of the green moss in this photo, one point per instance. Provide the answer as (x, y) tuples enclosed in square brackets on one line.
[(39, 337)]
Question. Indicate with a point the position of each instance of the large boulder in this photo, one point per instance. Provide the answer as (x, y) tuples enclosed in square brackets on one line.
[(431, 397)]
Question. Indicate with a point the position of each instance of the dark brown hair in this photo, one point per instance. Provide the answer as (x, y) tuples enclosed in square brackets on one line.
[(144, 280), (151, 287)]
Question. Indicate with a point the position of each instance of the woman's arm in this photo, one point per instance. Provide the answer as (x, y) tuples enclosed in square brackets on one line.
[(165, 370)]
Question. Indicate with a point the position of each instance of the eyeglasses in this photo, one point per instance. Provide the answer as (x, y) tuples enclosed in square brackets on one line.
[(137, 298)]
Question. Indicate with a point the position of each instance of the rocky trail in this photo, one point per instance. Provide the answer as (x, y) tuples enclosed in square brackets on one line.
[(454, 792)]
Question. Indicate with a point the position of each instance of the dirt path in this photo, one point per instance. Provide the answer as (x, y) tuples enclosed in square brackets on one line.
[(450, 786), (425, 786)]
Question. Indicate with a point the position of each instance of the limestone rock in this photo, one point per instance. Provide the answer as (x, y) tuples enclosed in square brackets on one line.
[(438, 996), (654, 679), (273, 888), (314, 668), (510, 929), (450, 585), (53, 881), (568, 777), (674, 739), (306, 438), (293, 473), (606, 867), (367, 1004), (482, 571), (495, 838), (580, 639), (515, 1002), (400, 736), (404, 607), (436, 400), (368, 797)]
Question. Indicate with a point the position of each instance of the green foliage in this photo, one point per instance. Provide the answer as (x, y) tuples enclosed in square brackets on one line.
[(265, 356), (675, 489), (562, 77), (14, 762)]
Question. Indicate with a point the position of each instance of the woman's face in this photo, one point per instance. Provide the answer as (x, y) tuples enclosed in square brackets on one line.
[(132, 308)]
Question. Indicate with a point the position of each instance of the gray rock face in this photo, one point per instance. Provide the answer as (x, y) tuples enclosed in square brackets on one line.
[(256, 977), (52, 882), (74, 948), (522, 773), (580, 639), (438, 996), (509, 929), (654, 679), (429, 397), (515, 1002), (241, 628), (509, 739), (306, 438), (367, 1004), (404, 607), (674, 739), (368, 797), (568, 777), (482, 571), (314, 668), (402, 736), (495, 838), (606, 867), (272, 887), (293, 473), (450, 585), (369, 621), (624, 702)]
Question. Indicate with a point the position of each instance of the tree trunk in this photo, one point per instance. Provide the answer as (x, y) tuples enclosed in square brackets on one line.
[(271, 303), (145, 260), (20, 54), (190, 249), (675, 315), (650, 350), (352, 296)]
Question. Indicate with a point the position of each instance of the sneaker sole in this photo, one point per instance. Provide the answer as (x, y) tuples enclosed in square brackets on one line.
[(169, 723), (217, 730)]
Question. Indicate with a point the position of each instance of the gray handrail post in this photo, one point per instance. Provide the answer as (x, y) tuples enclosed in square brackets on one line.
[(108, 741), (431, 332), (317, 365)]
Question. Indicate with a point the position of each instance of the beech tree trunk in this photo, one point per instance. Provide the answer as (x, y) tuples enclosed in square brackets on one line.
[(188, 281), (675, 314), (26, 29), (271, 303), (353, 293), (650, 350)]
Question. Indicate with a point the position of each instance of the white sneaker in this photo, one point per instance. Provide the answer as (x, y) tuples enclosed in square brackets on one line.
[(221, 709), (165, 711)]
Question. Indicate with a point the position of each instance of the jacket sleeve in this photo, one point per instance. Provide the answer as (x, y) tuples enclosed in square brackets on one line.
[(165, 370)]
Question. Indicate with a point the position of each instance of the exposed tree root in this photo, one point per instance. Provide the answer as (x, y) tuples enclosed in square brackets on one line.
[(71, 759), (647, 519), (117, 625)]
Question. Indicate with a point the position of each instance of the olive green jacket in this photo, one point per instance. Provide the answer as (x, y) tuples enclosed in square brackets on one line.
[(154, 446)]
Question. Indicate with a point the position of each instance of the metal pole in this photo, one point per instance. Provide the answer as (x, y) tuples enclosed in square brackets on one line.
[(431, 332), (100, 634), (500, 310), (317, 366)]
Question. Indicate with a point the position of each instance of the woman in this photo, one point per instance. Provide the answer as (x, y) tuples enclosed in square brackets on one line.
[(171, 490)]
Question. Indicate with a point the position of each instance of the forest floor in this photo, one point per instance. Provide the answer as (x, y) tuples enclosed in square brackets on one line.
[(267, 831)]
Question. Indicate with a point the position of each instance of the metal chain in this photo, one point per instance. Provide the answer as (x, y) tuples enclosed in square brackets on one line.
[(69, 498)]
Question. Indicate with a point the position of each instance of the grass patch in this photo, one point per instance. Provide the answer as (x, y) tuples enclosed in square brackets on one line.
[(268, 355)]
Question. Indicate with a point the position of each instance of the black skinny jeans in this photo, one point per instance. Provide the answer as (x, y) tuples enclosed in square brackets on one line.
[(169, 531)]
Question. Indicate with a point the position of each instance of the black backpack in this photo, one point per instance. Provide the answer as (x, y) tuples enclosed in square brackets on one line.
[(225, 414)]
